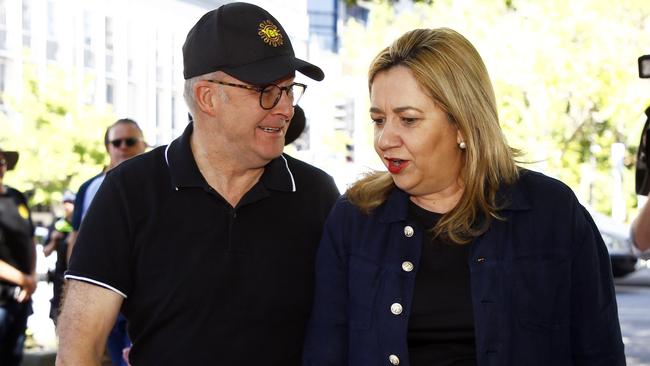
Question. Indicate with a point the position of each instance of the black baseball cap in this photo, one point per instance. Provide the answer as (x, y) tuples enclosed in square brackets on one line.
[(244, 41)]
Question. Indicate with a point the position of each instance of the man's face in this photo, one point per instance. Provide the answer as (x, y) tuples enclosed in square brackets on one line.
[(119, 139), (250, 134), (68, 208)]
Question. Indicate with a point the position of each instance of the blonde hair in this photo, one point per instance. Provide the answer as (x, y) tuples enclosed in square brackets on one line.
[(451, 71)]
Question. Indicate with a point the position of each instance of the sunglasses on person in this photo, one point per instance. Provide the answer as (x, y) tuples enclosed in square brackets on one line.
[(129, 141)]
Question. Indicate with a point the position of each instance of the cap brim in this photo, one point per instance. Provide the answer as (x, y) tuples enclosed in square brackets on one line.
[(11, 157), (273, 69)]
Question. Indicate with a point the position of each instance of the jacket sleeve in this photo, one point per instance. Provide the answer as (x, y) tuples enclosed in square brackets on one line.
[(595, 330), (327, 334)]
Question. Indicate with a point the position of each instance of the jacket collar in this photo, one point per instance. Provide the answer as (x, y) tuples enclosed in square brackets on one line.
[(510, 198), (185, 173)]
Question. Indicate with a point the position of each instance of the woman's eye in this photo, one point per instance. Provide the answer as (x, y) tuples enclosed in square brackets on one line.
[(409, 120), (377, 121)]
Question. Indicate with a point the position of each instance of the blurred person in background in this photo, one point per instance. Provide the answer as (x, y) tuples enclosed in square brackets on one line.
[(640, 228), (123, 140), (456, 256), (217, 230), (17, 265), (56, 241), (641, 232)]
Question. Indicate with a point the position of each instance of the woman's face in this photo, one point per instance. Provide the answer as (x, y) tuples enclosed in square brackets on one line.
[(413, 136)]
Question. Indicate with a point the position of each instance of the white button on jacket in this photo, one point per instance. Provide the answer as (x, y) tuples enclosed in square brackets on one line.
[(394, 360)]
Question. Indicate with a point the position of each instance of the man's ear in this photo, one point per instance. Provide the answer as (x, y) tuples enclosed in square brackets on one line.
[(205, 97)]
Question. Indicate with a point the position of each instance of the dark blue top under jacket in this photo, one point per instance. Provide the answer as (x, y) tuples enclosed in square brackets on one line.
[(541, 284)]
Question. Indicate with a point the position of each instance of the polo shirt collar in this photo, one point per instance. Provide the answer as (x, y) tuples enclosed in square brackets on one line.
[(182, 166), (185, 173), (277, 175)]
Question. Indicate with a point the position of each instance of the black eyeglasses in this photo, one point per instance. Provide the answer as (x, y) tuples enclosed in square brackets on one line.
[(270, 94), (129, 141)]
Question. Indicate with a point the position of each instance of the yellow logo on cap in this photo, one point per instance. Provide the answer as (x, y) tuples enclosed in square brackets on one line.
[(270, 33)]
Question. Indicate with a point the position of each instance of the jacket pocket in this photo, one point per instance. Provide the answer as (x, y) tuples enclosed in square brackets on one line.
[(541, 293), (363, 282)]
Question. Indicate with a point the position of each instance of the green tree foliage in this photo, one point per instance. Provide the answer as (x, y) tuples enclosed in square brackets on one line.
[(565, 76), (58, 136)]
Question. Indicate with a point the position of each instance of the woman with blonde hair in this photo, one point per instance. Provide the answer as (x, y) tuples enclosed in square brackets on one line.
[(456, 256)]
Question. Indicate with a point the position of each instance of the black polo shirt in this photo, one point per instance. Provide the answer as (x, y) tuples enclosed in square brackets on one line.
[(205, 283)]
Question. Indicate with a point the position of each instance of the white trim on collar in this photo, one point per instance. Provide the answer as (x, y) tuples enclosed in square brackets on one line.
[(293, 182), (166, 151)]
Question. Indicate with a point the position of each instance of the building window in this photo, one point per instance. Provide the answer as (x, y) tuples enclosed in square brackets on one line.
[(3, 78), (174, 120), (3, 25), (110, 91), (108, 36), (159, 127), (52, 47), (159, 65), (90, 86), (131, 50), (89, 57), (132, 98), (27, 24)]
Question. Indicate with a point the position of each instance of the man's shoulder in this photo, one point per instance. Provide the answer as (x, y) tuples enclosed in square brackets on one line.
[(13, 192), (300, 167), (88, 182), (310, 178), (143, 165), (543, 187)]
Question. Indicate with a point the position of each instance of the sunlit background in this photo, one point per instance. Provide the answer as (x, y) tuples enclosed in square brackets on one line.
[(564, 72)]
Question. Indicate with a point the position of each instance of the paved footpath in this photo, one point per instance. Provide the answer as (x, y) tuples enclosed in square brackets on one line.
[(633, 296)]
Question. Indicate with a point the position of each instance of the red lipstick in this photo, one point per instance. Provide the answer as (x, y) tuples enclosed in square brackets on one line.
[(396, 165)]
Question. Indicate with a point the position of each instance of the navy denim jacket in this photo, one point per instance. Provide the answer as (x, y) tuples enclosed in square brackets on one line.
[(541, 284)]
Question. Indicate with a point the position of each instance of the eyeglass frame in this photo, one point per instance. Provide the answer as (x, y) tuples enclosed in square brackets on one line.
[(260, 89), (128, 141)]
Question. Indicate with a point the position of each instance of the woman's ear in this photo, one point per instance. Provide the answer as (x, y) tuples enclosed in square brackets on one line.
[(459, 137), (460, 140)]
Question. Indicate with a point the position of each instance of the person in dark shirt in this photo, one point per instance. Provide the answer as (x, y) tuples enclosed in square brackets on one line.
[(17, 265), (123, 139), (56, 241), (207, 244), (456, 256)]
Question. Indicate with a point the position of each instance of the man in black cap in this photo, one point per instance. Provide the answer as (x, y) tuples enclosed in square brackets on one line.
[(17, 266), (216, 231)]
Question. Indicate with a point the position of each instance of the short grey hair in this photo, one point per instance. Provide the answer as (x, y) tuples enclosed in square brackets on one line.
[(188, 93)]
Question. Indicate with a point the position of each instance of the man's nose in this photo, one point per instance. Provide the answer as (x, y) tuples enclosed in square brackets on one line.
[(284, 106)]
